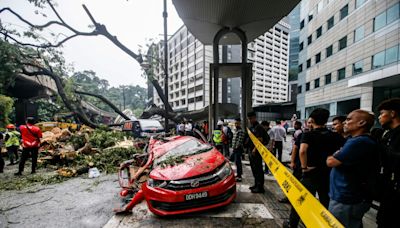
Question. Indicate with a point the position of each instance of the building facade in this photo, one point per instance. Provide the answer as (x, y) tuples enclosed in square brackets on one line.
[(189, 69), (349, 54)]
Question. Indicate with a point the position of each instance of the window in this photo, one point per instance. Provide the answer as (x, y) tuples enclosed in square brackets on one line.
[(310, 17), (300, 68), (343, 43), (302, 24), (391, 55), (341, 73), (299, 89), (307, 86), (309, 39), (379, 21), (319, 32), (358, 67), (358, 33), (329, 51), (301, 46), (359, 3), (378, 60), (344, 11), (318, 58), (316, 83), (392, 14), (328, 79), (331, 22), (308, 63)]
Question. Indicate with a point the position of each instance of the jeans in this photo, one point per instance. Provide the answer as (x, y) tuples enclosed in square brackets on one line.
[(350, 215), (278, 149), (237, 155), (24, 157), (257, 168), (315, 181), (225, 148)]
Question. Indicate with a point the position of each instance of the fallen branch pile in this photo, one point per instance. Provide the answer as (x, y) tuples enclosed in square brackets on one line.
[(72, 154)]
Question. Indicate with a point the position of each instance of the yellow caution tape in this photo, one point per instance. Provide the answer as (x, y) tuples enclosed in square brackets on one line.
[(310, 210)]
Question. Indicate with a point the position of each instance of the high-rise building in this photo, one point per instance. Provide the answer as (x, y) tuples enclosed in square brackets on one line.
[(189, 69), (349, 54), (294, 33)]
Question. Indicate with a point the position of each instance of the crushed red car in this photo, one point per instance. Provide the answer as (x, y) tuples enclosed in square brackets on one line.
[(177, 175)]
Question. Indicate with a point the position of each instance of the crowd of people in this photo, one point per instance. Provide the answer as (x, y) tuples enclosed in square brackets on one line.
[(28, 136), (349, 166)]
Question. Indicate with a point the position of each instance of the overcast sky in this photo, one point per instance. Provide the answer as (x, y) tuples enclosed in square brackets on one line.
[(132, 21)]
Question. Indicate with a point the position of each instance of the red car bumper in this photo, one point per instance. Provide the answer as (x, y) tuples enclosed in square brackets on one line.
[(168, 202)]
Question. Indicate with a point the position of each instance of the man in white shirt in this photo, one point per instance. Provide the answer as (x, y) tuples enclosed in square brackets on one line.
[(279, 138), (188, 128)]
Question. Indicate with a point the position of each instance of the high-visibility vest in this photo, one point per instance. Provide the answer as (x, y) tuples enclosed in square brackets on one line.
[(13, 138), (217, 136)]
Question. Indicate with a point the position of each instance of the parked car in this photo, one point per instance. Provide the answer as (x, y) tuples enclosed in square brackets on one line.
[(142, 128), (185, 175)]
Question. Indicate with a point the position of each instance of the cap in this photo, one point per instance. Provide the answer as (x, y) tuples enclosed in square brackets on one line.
[(10, 126)]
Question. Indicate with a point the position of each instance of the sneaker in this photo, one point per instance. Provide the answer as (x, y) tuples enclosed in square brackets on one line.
[(238, 179), (18, 174)]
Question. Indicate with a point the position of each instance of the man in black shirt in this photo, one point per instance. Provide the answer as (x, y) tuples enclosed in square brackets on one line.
[(389, 208), (254, 155), (315, 147)]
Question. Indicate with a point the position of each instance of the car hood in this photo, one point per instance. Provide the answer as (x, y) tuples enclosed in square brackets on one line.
[(193, 165)]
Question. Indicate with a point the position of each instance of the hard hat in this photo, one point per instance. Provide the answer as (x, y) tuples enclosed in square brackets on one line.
[(220, 122), (10, 126)]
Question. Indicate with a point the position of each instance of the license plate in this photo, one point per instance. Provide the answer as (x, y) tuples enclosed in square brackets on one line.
[(195, 196)]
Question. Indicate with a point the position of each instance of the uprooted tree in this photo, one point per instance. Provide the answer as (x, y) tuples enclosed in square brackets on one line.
[(43, 46)]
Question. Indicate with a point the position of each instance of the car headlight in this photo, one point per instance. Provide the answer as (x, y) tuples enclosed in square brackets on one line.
[(156, 183), (225, 171)]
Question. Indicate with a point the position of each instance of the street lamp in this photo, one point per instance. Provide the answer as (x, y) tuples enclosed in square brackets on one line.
[(165, 15)]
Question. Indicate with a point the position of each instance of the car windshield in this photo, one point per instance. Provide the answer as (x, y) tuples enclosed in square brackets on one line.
[(189, 147), (147, 124)]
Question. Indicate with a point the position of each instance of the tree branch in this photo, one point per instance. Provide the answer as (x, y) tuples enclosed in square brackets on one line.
[(29, 23), (60, 88)]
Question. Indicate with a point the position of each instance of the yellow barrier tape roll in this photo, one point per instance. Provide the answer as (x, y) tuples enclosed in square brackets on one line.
[(311, 211)]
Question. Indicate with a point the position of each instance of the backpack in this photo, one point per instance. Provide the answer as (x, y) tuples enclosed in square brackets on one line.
[(224, 137), (230, 134)]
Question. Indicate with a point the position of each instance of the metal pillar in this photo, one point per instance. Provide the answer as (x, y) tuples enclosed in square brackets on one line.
[(165, 15), (246, 80)]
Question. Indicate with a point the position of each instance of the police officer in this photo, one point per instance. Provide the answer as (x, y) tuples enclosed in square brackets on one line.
[(389, 208), (254, 155), (217, 136), (12, 143)]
